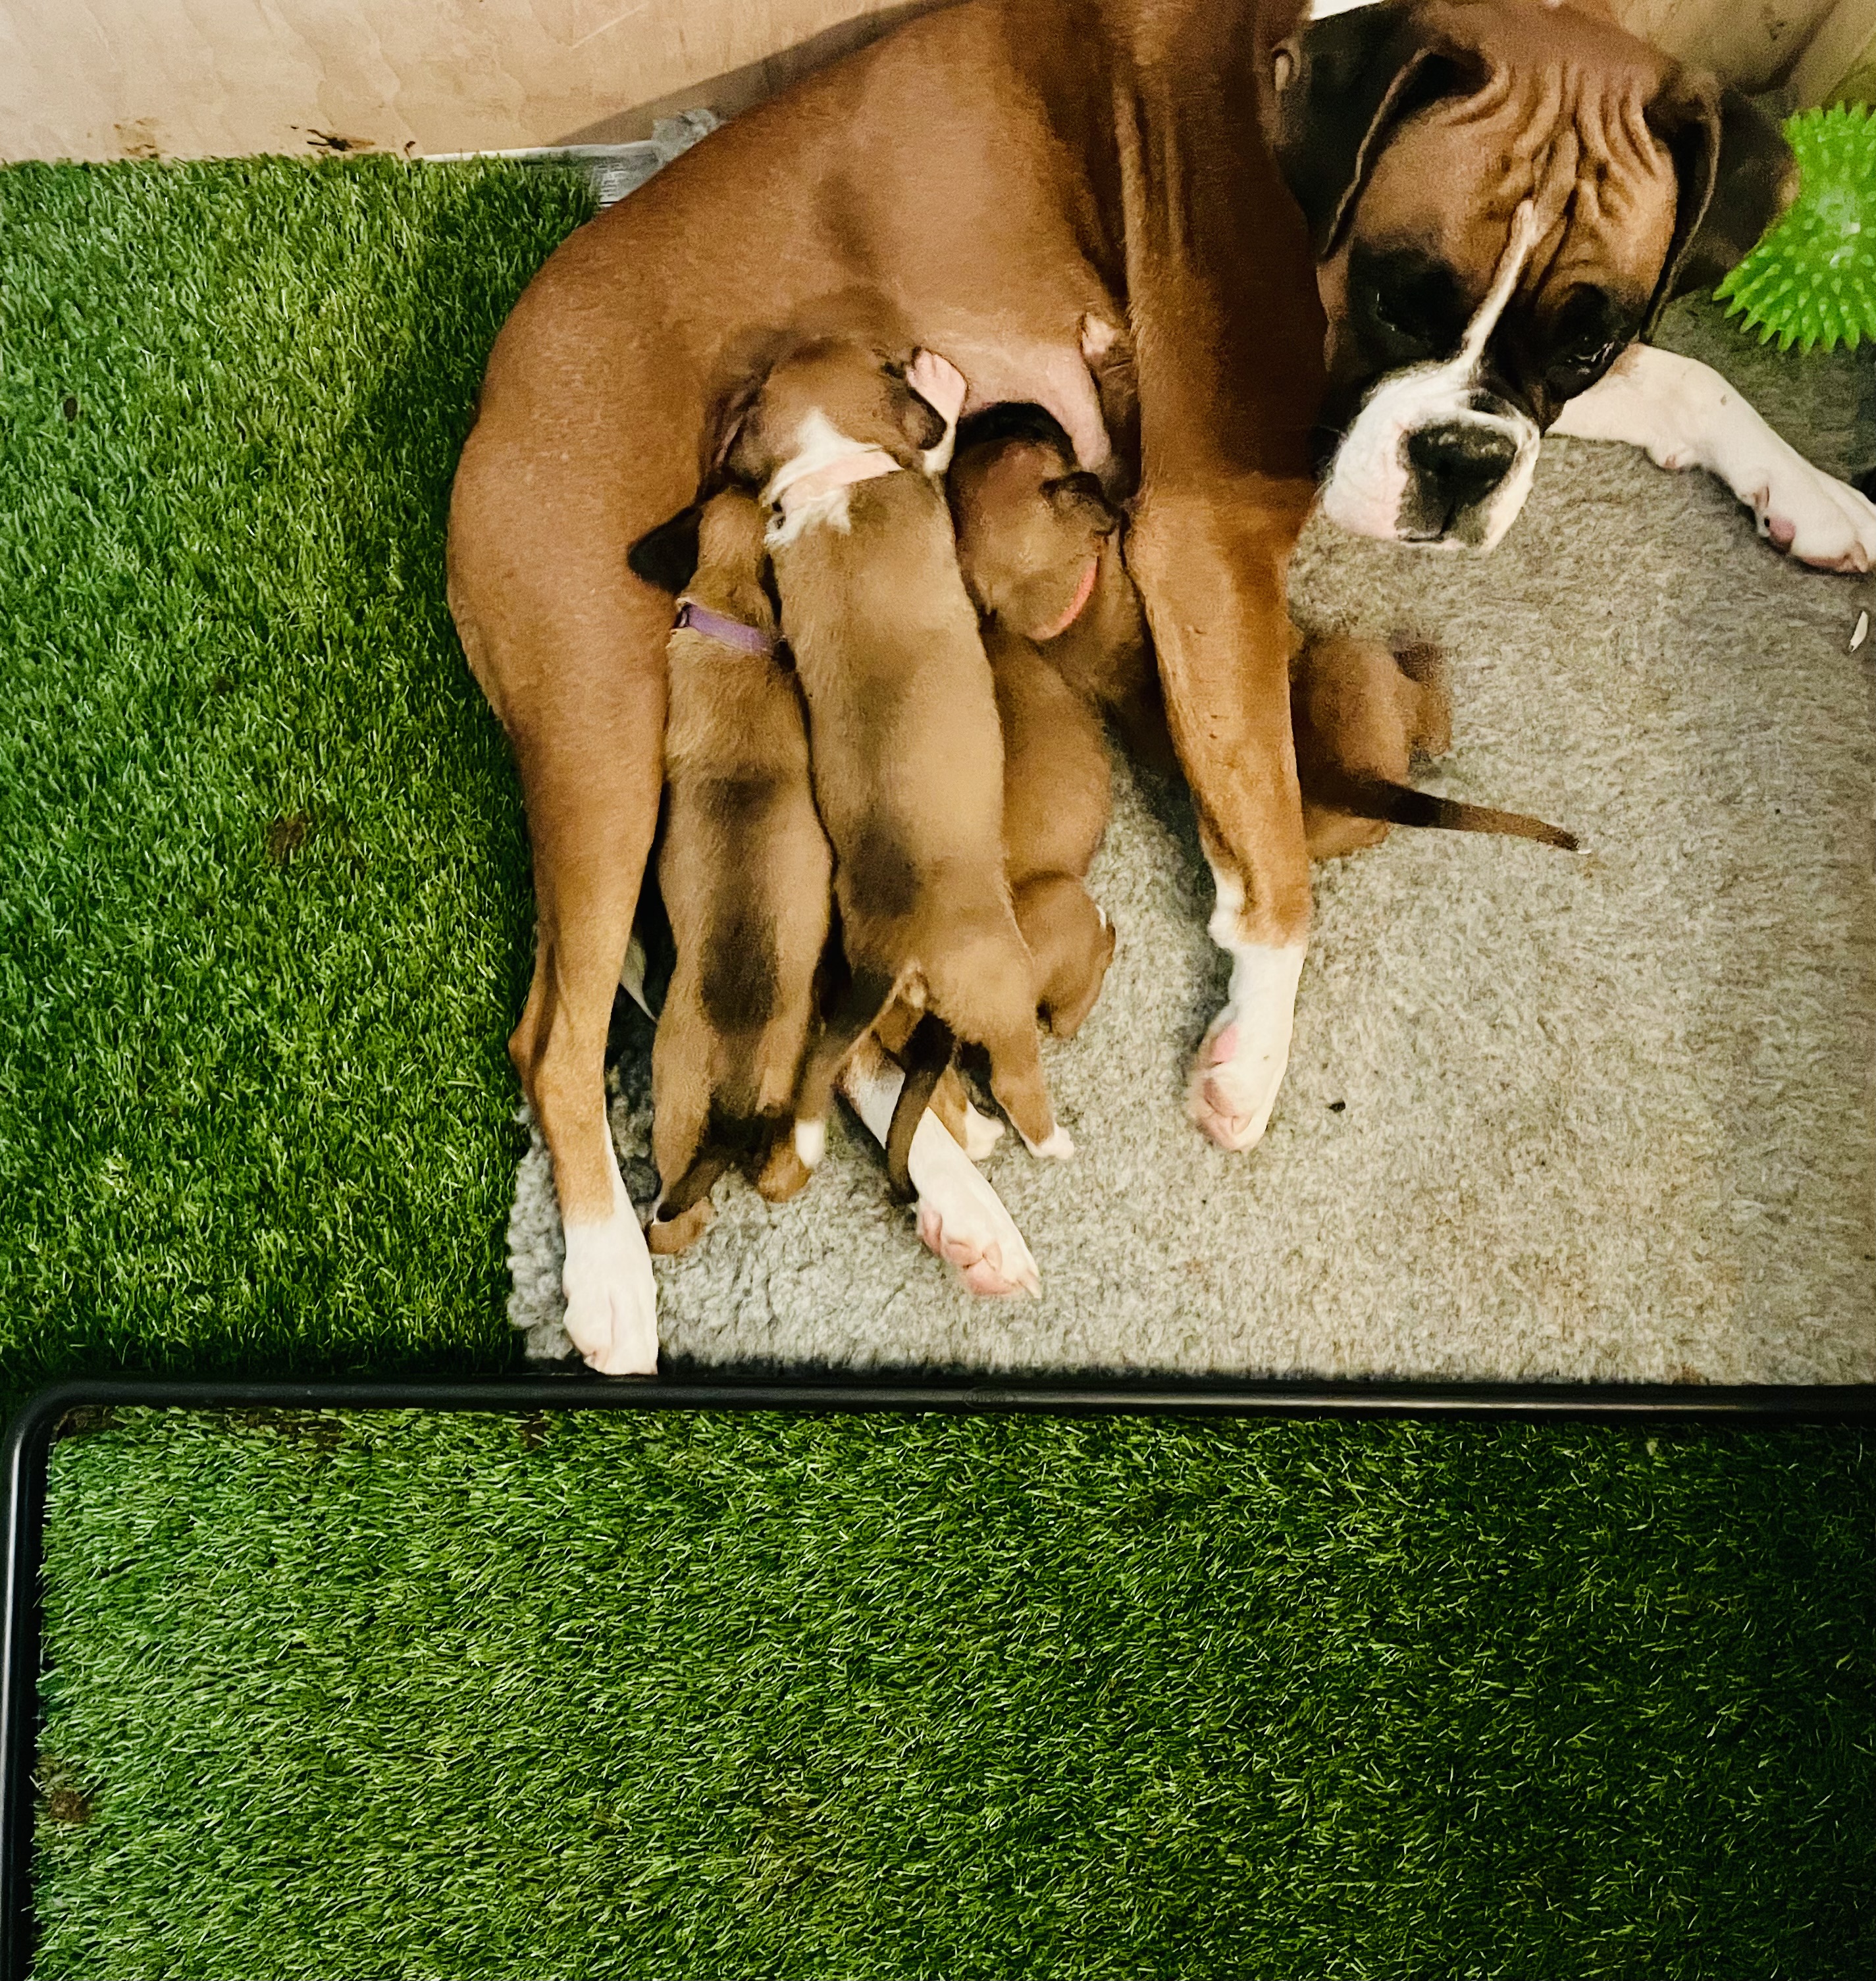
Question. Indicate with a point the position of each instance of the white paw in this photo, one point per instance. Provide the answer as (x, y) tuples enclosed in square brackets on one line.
[(612, 1299), (962, 1220), (1240, 1066), (981, 1135), (1057, 1146), (1814, 517)]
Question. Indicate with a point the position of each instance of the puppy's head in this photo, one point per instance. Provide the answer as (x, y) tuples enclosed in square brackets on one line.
[(832, 394), (812, 403), (1501, 194), (732, 559), (1030, 526)]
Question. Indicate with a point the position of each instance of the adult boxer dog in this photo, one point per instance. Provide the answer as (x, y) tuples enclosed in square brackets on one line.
[(1445, 222)]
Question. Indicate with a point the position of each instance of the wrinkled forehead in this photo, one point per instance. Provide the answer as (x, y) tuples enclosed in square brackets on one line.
[(1450, 181)]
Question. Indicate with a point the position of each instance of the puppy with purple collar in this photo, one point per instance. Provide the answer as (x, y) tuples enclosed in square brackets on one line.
[(745, 870)]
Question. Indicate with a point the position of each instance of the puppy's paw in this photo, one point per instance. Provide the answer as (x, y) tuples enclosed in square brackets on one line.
[(1813, 516), (962, 1220), (1240, 1066), (612, 1299), (1057, 1146), (666, 1237)]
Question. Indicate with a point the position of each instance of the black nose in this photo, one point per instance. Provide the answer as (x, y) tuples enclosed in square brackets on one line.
[(1457, 465)]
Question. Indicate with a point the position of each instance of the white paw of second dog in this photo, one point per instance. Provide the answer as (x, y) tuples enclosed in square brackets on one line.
[(963, 1219), (1812, 516), (612, 1299), (1240, 1066)]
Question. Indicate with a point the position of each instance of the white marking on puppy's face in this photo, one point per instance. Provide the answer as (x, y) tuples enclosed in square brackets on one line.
[(1432, 457)]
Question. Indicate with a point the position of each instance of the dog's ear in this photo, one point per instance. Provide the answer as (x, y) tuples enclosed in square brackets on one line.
[(1080, 497), (1736, 175), (667, 556), (1338, 86)]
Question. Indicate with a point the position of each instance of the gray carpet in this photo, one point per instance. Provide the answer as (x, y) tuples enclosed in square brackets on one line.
[(1607, 1115)]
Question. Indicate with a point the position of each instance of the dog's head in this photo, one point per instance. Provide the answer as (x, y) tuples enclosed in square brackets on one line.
[(1501, 194), (1030, 524)]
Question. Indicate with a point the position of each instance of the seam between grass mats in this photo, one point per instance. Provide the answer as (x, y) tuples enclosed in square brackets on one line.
[(34, 1432)]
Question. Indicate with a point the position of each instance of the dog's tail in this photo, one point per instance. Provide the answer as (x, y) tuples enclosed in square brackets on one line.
[(1401, 804), (927, 1053)]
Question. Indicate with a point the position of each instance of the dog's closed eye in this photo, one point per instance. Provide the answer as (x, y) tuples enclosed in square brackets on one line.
[(1080, 495)]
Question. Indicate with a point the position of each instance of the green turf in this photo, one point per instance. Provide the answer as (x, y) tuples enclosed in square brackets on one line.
[(263, 905), (711, 1697)]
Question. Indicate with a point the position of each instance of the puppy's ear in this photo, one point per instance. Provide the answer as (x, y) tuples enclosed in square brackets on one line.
[(1338, 87), (1736, 174), (1080, 497), (667, 556), (731, 440)]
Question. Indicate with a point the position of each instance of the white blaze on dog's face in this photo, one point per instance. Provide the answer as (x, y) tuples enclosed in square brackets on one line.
[(1433, 455), (1500, 197)]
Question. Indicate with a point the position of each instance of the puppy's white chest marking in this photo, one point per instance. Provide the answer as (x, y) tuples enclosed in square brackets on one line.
[(822, 452)]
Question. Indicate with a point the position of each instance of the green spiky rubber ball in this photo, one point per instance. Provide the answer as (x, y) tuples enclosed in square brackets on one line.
[(1812, 280)]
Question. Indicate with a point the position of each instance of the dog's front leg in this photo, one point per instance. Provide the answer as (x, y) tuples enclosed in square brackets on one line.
[(1210, 560), (1686, 415)]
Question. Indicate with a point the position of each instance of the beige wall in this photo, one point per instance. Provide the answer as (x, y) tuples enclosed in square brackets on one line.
[(116, 78)]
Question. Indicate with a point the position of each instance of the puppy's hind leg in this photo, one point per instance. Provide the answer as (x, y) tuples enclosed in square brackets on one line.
[(960, 1217), (1073, 943), (982, 983)]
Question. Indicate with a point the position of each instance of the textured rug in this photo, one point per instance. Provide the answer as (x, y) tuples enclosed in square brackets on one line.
[(1607, 1115)]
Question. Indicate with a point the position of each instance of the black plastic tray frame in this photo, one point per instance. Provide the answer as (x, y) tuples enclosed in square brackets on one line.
[(33, 1433)]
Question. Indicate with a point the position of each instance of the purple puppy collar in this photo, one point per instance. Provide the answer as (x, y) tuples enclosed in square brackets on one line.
[(720, 627)]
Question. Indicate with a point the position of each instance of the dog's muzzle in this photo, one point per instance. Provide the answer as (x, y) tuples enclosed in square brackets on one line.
[(1454, 469)]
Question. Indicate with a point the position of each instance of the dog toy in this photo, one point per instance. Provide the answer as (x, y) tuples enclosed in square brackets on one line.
[(1811, 282)]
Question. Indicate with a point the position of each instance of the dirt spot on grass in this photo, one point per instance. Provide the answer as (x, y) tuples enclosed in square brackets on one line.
[(86, 1420), (323, 1431), (286, 836), (535, 1429), (65, 1801)]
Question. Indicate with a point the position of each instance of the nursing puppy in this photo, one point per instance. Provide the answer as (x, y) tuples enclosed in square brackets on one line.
[(745, 872), (1038, 547), (846, 445), (1040, 550)]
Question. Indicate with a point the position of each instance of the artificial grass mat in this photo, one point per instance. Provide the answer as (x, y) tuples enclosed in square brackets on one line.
[(264, 910), (694, 1695)]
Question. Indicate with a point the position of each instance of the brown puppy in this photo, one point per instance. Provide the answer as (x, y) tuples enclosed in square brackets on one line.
[(846, 445), (1361, 713), (745, 871), (1038, 547)]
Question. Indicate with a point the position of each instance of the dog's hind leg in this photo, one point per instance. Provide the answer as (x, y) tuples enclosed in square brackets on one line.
[(571, 653), (1073, 943), (960, 1217)]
